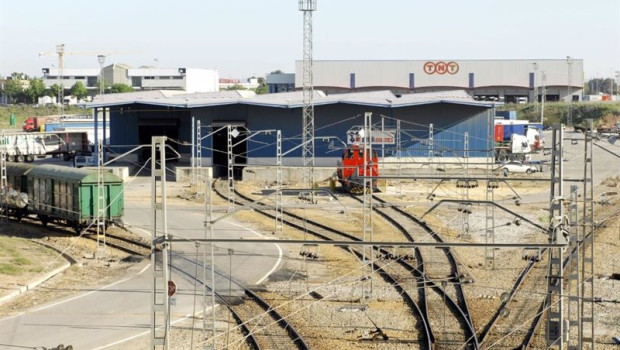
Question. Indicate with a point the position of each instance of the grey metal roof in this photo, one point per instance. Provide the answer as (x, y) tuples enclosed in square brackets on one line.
[(72, 174), (293, 99)]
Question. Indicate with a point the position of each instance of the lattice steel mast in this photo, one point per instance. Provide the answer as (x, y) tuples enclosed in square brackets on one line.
[(367, 228), (160, 302), (101, 202), (586, 326), (307, 155), (558, 234)]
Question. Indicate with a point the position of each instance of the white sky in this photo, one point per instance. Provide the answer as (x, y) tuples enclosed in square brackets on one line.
[(243, 38)]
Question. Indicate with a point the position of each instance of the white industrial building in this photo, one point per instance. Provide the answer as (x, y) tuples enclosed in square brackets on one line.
[(189, 80), (509, 81)]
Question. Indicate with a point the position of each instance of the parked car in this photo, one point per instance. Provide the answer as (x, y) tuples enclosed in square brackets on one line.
[(516, 167)]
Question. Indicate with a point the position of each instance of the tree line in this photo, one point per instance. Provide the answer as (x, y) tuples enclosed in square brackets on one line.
[(16, 93)]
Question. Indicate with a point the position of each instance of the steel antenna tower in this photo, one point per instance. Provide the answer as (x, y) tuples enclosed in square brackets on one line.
[(307, 140)]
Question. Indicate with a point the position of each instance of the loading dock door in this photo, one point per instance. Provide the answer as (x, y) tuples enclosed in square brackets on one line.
[(147, 128), (220, 150)]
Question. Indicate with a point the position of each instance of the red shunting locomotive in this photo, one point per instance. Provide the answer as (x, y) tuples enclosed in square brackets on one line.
[(351, 169)]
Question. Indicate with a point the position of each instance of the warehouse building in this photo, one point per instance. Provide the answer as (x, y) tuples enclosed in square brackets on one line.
[(189, 80), (509, 81), (135, 117)]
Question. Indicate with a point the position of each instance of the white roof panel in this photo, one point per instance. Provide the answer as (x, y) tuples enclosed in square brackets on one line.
[(293, 99)]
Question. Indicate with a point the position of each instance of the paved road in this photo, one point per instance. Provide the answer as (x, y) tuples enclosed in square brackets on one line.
[(605, 164), (110, 315)]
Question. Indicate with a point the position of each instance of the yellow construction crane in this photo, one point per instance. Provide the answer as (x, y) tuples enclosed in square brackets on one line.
[(60, 51)]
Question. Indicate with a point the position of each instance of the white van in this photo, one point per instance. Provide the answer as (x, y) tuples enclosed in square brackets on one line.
[(82, 161)]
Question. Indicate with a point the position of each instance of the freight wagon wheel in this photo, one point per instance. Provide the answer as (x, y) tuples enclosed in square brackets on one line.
[(29, 158), (20, 158), (77, 227), (11, 158), (44, 220)]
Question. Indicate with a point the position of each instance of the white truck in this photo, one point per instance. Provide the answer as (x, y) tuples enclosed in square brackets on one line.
[(25, 147), (520, 147)]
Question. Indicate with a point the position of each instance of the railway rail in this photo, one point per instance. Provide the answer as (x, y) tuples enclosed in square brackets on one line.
[(399, 280), (261, 324), (411, 226), (272, 332)]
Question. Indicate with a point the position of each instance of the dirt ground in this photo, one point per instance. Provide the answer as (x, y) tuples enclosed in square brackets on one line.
[(90, 271), (326, 326)]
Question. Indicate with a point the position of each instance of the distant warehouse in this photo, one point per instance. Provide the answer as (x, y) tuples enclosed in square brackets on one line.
[(509, 81)]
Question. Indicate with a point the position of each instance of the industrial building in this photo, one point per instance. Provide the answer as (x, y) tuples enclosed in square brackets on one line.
[(509, 81), (135, 117), (189, 80)]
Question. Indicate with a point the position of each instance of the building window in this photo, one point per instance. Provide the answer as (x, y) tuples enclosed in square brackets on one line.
[(136, 81), (177, 77), (164, 78), (149, 78)]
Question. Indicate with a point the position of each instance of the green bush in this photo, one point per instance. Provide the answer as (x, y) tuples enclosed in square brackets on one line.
[(557, 112)]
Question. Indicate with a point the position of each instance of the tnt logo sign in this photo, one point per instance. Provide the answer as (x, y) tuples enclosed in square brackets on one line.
[(441, 68)]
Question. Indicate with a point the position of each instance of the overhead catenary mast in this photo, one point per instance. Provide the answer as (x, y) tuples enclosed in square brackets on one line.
[(307, 156)]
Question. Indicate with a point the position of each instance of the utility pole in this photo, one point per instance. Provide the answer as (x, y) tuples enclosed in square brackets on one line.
[(367, 227), (569, 93), (101, 202), (535, 66), (160, 297), (101, 59), (4, 186), (558, 234), (307, 156), (586, 326), (543, 97)]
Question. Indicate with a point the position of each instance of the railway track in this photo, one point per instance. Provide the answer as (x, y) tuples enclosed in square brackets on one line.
[(415, 230), (270, 332), (260, 323), (397, 275)]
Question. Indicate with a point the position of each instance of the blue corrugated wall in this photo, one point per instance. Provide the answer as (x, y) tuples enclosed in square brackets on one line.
[(450, 122)]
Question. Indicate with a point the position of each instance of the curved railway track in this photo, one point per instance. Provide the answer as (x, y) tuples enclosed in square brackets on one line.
[(397, 275), (261, 324), (272, 332), (414, 229)]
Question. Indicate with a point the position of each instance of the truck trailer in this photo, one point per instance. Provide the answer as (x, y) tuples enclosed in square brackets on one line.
[(517, 139), (26, 146)]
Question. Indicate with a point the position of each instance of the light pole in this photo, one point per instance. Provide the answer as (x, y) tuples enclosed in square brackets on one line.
[(569, 63), (101, 59), (543, 77), (617, 85), (535, 67)]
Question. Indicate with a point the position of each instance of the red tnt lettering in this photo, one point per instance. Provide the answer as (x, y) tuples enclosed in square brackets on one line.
[(441, 67), (429, 67)]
